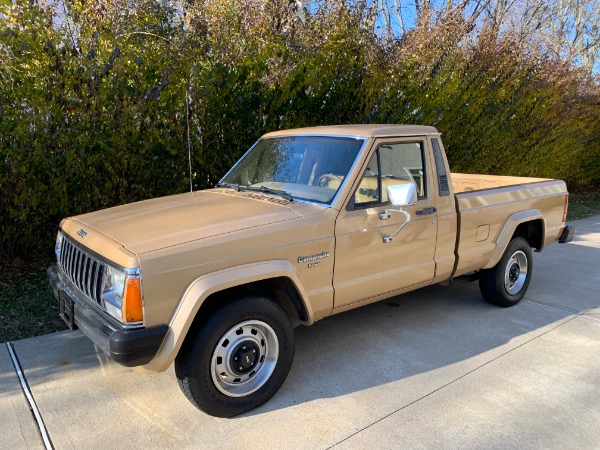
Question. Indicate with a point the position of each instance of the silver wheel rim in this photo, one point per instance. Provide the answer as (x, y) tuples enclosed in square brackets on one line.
[(244, 358), (516, 272)]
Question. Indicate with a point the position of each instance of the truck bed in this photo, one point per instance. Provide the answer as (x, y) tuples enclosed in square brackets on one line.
[(483, 203)]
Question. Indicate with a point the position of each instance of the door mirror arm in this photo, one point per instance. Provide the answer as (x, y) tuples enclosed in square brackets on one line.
[(400, 195), (387, 239)]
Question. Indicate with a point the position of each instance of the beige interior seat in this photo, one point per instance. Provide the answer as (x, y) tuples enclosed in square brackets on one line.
[(367, 190)]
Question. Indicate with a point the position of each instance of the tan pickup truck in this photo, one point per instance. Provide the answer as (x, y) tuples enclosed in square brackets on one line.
[(309, 223)]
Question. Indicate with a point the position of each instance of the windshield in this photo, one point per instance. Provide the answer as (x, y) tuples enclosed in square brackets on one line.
[(304, 167)]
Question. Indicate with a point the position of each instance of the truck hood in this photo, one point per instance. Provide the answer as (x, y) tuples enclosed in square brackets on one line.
[(167, 221)]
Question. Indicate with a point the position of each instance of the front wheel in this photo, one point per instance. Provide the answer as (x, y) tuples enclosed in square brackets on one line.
[(506, 283), (239, 359)]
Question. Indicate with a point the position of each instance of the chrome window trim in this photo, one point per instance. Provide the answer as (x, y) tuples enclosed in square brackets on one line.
[(346, 136), (400, 135), (330, 204)]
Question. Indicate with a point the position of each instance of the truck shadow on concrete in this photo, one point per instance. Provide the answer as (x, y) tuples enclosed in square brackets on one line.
[(403, 337)]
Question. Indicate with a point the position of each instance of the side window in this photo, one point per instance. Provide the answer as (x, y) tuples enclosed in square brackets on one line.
[(392, 164), (402, 163)]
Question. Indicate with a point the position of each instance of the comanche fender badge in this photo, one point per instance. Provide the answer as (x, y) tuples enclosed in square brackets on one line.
[(303, 259)]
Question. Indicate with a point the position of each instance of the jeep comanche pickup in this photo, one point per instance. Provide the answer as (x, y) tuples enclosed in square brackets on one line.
[(309, 223)]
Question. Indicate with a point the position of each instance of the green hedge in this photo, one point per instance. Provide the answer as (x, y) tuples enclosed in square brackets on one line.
[(95, 109)]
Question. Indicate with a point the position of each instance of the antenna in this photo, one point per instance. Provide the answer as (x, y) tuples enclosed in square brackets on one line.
[(187, 119)]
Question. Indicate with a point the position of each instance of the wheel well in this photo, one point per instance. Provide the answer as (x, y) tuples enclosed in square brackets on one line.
[(282, 290), (533, 232)]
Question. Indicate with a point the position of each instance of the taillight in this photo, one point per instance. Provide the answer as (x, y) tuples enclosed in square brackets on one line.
[(564, 219)]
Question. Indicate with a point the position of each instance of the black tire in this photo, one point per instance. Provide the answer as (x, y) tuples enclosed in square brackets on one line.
[(506, 283), (254, 330)]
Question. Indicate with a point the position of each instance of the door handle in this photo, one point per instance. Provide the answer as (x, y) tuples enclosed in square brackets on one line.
[(424, 212)]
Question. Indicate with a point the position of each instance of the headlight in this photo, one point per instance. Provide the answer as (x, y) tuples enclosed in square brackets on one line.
[(122, 295), (58, 245), (115, 282)]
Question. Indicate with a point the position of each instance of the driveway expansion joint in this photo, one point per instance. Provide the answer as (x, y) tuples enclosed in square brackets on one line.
[(570, 311), (29, 396)]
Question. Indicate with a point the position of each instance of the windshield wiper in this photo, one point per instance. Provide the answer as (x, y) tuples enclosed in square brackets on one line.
[(233, 186), (267, 190)]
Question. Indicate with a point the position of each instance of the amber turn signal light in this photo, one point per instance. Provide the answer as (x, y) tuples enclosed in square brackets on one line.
[(132, 301)]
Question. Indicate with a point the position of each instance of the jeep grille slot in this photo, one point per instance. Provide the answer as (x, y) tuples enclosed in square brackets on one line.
[(83, 270)]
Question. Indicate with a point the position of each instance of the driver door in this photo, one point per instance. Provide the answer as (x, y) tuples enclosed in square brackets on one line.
[(366, 268)]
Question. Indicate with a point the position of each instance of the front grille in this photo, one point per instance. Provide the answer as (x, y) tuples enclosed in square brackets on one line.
[(83, 270)]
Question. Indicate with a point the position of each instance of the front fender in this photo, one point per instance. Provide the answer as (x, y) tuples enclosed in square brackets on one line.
[(202, 287)]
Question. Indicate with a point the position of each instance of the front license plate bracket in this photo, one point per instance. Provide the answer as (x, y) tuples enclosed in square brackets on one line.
[(66, 310)]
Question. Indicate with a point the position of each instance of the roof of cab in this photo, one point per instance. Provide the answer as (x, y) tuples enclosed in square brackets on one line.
[(370, 130)]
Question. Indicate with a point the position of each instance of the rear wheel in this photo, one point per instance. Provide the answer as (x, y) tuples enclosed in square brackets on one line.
[(239, 358), (506, 283)]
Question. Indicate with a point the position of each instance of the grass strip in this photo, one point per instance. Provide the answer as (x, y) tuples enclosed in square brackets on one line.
[(27, 307), (583, 204)]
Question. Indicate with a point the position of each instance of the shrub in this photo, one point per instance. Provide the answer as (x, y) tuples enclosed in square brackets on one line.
[(96, 105)]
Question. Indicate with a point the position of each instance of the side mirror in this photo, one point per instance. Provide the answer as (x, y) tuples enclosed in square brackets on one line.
[(402, 194)]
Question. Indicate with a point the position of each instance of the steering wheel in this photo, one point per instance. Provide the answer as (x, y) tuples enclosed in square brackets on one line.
[(327, 178), (412, 179)]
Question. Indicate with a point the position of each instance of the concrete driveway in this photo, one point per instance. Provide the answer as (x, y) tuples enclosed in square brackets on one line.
[(437, 368)]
